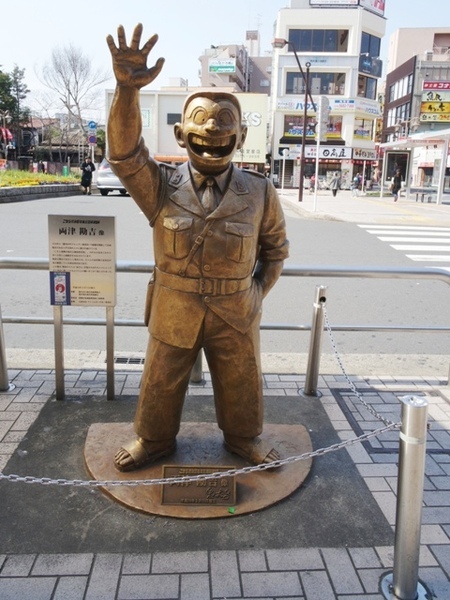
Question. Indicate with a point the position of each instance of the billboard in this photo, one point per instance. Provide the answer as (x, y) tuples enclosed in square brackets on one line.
[(254, 114), (375, 6), (218, 66), (435, 102)]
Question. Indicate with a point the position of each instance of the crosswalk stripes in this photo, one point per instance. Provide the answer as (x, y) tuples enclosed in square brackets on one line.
[(421, 244)]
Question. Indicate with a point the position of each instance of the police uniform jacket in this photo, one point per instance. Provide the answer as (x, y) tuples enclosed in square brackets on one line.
[(204, 261)]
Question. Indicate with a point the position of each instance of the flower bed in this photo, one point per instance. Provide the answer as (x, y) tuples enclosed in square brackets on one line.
[(10, 178)]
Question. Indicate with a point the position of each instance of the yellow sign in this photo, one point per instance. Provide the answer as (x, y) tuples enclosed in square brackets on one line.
[(435, 107)]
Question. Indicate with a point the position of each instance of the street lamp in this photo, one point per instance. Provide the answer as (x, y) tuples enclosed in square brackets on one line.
[(281, 43)]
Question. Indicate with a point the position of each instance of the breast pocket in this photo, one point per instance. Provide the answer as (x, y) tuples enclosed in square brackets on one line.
[(239, 241), (177, 236)]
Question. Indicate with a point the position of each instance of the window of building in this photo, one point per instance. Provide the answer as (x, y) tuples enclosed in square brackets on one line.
[(402, 87), (363, 129), (370, 44), (398, 114), (173, 118), (320, 83), (367, 87), (319, 40)]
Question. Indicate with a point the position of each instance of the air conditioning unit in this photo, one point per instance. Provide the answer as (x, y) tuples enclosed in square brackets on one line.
[(429, 55)]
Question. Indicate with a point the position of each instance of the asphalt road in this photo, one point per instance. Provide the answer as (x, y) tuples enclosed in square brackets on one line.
[(314, 242)]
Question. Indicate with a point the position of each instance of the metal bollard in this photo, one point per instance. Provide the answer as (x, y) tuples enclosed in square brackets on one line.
[(5, 385), (312, 369), (196, 373), (403, 583)]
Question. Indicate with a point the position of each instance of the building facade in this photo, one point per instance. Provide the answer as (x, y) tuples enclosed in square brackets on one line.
[(417, 104), (341, 42), (161, 109)]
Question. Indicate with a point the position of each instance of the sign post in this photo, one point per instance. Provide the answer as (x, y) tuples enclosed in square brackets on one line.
[(82, 269)]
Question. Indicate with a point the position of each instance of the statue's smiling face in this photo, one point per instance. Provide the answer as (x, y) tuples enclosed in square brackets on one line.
[(211, 132)]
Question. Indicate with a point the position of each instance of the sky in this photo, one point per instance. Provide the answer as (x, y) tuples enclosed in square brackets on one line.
[(31, 30)]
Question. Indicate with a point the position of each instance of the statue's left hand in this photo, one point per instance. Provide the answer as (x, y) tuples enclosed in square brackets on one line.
[(130, 62)]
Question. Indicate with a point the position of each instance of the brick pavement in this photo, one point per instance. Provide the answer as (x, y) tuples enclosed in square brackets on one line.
[(260, 574)]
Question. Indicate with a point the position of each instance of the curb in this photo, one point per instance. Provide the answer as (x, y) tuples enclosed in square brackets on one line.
[(21, 194)]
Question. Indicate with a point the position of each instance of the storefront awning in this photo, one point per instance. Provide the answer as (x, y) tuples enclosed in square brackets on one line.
[(6, 134)]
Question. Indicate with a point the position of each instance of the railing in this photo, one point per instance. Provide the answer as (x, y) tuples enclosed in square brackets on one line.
[(147, 267)]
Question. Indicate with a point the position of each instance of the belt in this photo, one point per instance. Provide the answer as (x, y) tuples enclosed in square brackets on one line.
[(196, 285)]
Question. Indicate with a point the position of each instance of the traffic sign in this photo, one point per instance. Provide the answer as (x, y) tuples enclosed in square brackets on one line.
[(92, 139), (92, 125)]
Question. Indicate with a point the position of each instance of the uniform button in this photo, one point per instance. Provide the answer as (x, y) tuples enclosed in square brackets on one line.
[(207, 299), (209, 233), (207, 267), (181, 272), (176, 225)]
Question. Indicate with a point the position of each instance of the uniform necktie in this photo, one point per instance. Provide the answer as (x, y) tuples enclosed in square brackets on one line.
[(208, 198)]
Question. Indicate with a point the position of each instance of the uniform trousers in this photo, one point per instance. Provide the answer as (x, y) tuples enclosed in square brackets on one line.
[(234, 362)]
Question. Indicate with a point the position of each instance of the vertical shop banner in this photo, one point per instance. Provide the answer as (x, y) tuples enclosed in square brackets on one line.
[(82, 260)]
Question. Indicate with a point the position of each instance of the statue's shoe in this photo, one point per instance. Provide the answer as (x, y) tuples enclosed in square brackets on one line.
[(255, 450), (140, 453)]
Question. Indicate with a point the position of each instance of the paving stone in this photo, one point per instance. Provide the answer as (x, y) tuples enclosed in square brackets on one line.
[(224, 574), (317, 585), (104, 577), (180, 562), (252, 560), (436, 582), (17, 565), (272, 584), (63, 564), (134, 564), (35, 588), (70, 588), (433, 534), (294, 559), (341, 571), (442, 554), (148, 587), (195, 586), (364, 557)]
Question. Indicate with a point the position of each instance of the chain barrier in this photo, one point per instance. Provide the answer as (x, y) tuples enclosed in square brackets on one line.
[(349, 381), (192, 478), (388, 425)]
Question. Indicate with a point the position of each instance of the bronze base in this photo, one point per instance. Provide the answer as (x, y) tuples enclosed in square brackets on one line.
[(199, 444)]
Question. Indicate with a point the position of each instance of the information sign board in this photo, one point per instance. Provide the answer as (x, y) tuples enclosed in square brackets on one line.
[(82, 260)]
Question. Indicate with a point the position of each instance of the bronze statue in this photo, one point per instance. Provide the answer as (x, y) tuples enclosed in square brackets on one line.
[(219, 245)]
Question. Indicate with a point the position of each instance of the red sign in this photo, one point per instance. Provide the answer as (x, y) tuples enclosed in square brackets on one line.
[(92, 139)]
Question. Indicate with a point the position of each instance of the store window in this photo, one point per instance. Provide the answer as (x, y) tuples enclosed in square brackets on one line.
[(363, 130), (320, 83)]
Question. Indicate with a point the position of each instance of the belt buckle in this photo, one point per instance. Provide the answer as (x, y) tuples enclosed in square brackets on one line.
[(206, 286)]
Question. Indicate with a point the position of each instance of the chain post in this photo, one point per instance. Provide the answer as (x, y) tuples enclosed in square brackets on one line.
[(197, 370), (5, 385), (403, 583), (312, 369)]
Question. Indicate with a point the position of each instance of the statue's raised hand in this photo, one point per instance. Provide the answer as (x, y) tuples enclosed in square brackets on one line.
[(130, 62)]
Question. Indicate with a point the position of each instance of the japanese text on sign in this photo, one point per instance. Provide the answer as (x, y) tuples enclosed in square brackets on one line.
[(82, 260)]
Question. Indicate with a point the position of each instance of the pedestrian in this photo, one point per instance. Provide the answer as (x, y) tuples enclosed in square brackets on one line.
[(219, 239), (87, 168), (335, 183), (354, 186), (41, 166), (312, 184), (396, 184)]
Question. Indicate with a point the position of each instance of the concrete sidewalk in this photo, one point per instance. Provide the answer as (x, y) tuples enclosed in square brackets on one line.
[(324, 572), (367, 208)]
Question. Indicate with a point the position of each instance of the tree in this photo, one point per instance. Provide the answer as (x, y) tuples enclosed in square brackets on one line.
[(13, 91), (70, 75)]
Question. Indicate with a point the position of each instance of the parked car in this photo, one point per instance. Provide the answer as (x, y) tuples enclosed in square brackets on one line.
[(107, 181)]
